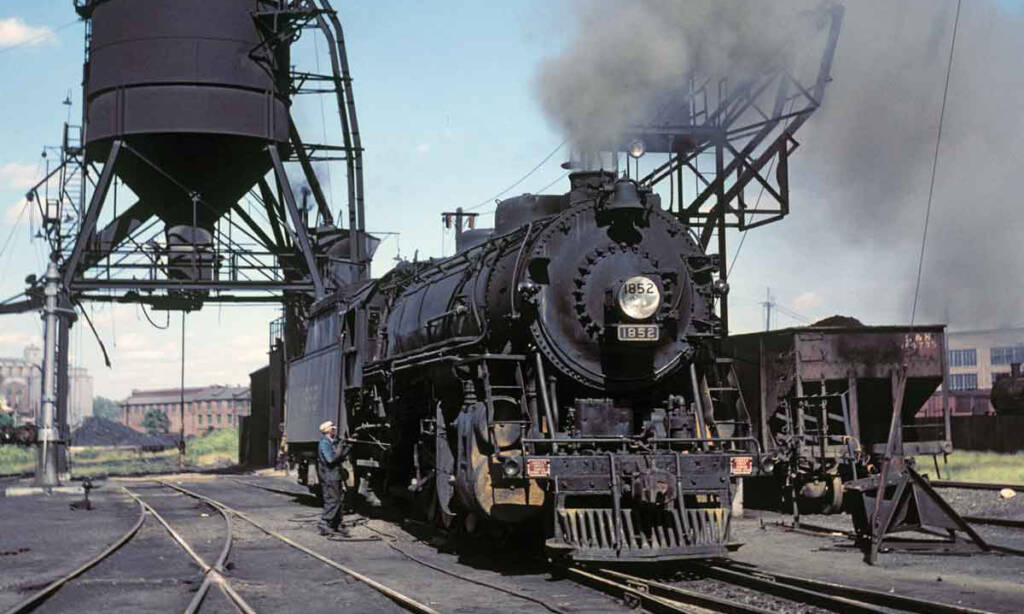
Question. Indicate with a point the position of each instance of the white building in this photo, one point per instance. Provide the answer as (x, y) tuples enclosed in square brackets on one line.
[(21, 387)]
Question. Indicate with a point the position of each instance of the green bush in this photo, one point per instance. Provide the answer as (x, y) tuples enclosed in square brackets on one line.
[(223, 442), (156, 422), (102, 407)]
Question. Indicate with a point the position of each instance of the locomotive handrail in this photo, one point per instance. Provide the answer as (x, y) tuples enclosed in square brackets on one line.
[(548, 411)]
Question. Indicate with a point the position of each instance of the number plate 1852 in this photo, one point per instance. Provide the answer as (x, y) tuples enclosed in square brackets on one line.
[(638, 332)]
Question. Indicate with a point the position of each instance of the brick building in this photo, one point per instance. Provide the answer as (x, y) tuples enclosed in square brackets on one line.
[(976, 358), (206, 408)]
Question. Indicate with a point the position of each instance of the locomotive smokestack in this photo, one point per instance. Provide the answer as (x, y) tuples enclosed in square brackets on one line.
[(586, 185)]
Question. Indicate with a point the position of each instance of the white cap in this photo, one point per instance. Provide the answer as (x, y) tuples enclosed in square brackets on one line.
[(326, 426)]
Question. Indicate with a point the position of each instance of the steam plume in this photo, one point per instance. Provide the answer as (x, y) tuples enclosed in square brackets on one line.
[(865, 157)]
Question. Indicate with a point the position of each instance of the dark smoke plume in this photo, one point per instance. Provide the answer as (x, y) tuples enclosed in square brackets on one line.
[(866, 157), (627, 59)]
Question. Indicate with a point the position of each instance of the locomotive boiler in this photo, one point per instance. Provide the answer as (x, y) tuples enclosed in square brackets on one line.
[(561, 369)]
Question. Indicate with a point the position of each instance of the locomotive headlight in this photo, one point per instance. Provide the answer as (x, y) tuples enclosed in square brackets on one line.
[(639, 297), (637, 149)]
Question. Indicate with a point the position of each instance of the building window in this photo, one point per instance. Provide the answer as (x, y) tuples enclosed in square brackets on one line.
[(963, 381), (963, 358), (1007, 355)]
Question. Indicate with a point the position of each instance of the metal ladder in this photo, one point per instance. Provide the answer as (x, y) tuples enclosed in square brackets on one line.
[(514, 391), (728, 407)]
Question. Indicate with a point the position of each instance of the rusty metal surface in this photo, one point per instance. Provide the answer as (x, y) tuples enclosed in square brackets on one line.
[(870, 352), (769, 365)]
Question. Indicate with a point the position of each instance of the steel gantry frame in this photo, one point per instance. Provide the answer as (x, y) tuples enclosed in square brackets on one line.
[(747, 130), (263, 250)]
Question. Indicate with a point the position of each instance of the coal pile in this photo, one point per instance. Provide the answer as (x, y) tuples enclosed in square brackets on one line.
[(839, 321), (102, 432)]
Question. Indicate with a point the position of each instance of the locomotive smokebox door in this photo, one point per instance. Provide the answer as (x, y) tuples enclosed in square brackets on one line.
[(600, 418)]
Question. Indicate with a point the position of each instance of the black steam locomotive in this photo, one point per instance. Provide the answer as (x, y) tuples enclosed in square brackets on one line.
[(561, 369), (1007, 394)]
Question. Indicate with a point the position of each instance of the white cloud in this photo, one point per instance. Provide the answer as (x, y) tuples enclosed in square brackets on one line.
[(422, 149), (14, 31), (15, 211), (18, 176), (806, 301)]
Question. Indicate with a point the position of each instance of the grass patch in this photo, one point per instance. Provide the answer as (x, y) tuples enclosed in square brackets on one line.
[(972, 466), (208, 451), (16, 459)]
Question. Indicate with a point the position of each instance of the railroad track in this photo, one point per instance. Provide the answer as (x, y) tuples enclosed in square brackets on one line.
[(40, 596), (660, 597), (213, 575), (656, 596), (399, 598), (1015, 523), (975, 485), (392, 542)]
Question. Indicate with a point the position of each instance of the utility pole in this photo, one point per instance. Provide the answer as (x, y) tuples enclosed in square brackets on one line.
[(767, 304), (46, 471), (181, 413), (461, 220)]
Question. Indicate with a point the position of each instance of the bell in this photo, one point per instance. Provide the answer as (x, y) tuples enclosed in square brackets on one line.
[(625, 197)]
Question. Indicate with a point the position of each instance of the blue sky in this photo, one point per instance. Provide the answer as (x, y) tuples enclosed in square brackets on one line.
[(446, 112), (448, 115)]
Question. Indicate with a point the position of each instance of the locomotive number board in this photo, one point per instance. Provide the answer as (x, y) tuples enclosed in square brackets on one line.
[(638, 332)]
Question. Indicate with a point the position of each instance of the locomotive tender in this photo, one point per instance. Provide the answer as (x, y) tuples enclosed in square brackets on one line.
[(562, 369)]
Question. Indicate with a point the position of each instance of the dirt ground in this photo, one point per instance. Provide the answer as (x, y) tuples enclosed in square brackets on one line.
[(42, 537)]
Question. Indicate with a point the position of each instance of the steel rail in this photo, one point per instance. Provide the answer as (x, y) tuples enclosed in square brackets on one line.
[(197, 600), (681, 596), (43, 594), (633, 595), (391, 543), (208, 571), (1016, 523), (403, 600), (792, 586), (975, 485)]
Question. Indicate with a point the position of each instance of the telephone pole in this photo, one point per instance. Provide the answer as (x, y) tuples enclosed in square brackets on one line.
[(461, 220), (767, 304)]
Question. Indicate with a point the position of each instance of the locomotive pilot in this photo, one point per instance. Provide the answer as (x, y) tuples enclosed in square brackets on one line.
[(330, 454)]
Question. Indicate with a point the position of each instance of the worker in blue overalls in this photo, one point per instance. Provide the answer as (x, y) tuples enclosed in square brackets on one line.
[(330, 454)]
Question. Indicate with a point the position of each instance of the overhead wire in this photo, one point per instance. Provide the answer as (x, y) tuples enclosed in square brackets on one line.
[(537, 191), (14, 228), (155, 325), (521, 179), (935, 164), (557, 179)]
